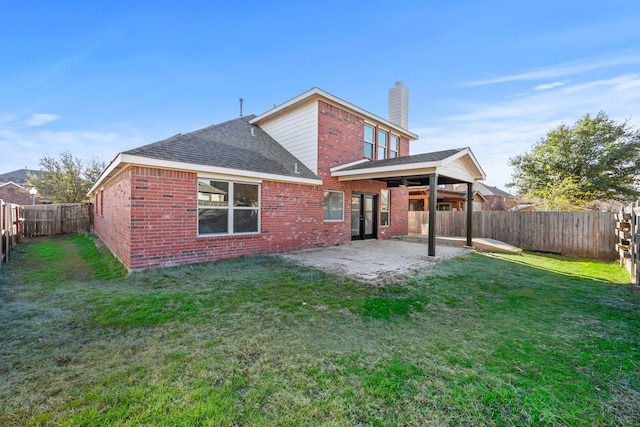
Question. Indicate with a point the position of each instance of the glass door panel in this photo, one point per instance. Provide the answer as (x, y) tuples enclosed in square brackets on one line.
[(356, 213), (369, 223)]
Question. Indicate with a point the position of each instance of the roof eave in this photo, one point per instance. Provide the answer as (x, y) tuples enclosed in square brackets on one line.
[(123, 159), (385, 171)]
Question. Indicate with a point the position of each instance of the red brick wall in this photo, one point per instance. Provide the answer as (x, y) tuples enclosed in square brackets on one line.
[(12, 193), (341, 141), (112, 216), (149, 217)]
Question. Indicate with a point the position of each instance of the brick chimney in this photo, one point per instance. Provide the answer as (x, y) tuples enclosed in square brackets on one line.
[(399, 105)]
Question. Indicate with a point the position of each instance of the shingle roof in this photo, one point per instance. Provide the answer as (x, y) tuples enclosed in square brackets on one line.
[(405, 160), (234, 144), (18, 176), (487, 190)]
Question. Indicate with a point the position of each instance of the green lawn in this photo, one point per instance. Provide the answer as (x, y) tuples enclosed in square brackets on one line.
[(480, 340)]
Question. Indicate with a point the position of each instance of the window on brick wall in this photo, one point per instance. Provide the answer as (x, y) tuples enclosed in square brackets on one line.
[(228, 207), (394, 143), (369, 141), (333, 206), (385, 203), (380, 144)]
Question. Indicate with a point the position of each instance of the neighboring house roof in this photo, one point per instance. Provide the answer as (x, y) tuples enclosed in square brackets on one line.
[(487, 190), (225, 148), (456, 165), (11, 183), (19, 176), (317, 93)]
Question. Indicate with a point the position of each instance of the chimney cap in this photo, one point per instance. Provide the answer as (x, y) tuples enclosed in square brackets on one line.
[(398, 83)]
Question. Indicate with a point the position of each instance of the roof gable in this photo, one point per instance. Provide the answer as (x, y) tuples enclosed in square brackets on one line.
[(12, 184), (317, 93)]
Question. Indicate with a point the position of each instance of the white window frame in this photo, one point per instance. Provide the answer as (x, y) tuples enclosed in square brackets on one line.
[(382, 149), (324, 206), (394, 153), (230, 208), (371, 143)]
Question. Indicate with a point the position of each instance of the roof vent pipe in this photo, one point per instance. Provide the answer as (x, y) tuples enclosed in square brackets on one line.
[(241, 106)]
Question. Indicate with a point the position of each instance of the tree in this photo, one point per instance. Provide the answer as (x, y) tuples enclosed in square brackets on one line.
[(596, 160), (67, 179)]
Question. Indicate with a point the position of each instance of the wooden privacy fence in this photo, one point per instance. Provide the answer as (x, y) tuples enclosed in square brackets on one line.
[(628, 238), (9, 229), (47, 220), (581, 234)]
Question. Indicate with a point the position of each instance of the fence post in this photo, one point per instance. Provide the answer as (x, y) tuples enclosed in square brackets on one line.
[(1, 232), (635, 240)]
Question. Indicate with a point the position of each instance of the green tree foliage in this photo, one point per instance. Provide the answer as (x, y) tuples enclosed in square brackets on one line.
[(597, 159), (66, 179)]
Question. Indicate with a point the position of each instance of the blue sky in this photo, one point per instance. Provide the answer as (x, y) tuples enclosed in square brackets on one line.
[(97, 78)]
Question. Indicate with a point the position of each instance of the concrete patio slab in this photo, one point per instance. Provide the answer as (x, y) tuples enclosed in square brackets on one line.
[(375, 261)]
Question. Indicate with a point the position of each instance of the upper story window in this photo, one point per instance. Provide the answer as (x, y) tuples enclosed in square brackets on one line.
[(369, 141), (394, 144), (382, 144), (228, 207)]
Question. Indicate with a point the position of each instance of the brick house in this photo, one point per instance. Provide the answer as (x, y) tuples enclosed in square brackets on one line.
[(13, 188), (313, 171)]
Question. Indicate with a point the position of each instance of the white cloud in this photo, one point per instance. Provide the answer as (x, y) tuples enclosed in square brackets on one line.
[(497, 130), (570, 68), (39, 119), (24, 146), (550, 85)]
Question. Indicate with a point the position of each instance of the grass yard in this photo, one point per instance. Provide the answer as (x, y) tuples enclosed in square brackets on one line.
[(491, 340)]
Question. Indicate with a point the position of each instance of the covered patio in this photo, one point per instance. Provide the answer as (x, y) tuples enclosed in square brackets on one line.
[(428, 169)]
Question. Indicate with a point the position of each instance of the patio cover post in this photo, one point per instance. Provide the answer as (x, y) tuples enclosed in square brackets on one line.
[(469, 213), (433, 198)]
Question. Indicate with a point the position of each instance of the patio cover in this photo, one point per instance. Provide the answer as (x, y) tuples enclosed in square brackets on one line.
[(441, 167)]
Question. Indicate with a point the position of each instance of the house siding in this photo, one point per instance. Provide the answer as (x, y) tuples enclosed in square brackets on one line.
[(458, 169), (298, 133)]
